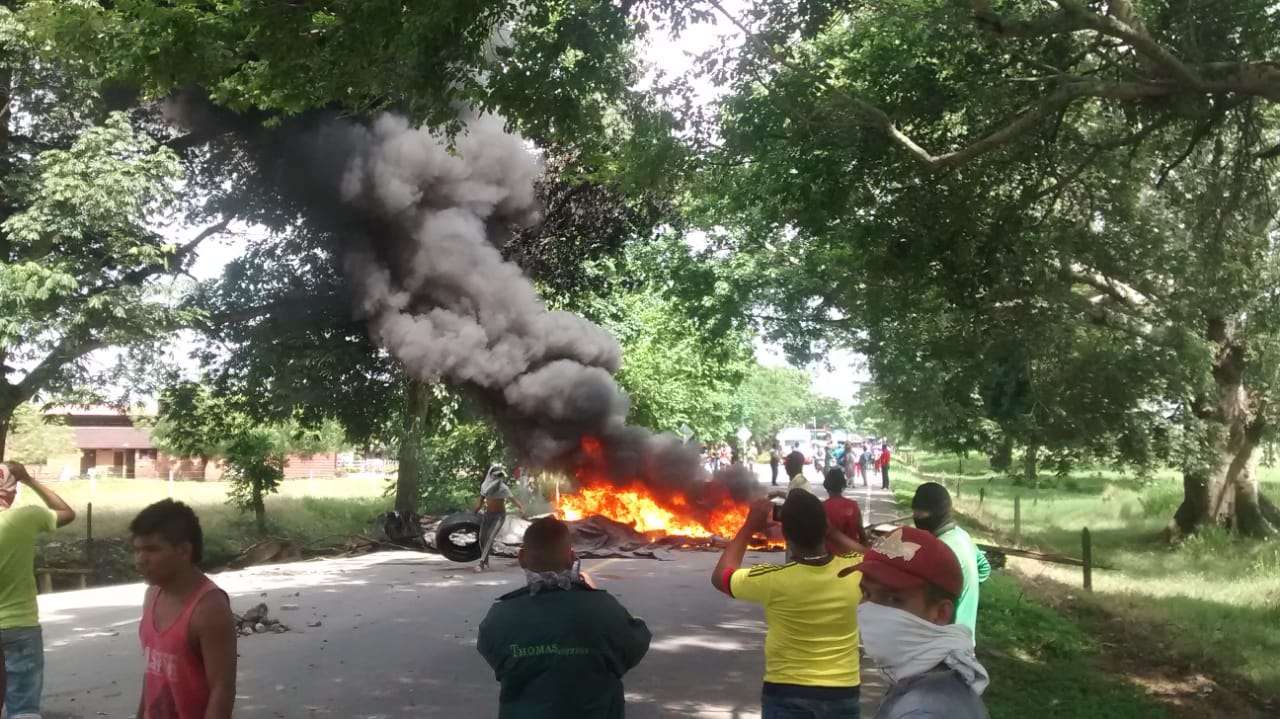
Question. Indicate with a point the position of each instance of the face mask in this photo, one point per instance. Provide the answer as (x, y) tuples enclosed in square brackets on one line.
[(904, 645), (561, 580), (933, 522)]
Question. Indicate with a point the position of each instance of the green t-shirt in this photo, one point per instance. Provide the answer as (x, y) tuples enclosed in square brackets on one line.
[(18, 531), (973, 564)]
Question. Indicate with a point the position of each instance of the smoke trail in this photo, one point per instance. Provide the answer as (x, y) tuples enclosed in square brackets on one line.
[(437, 294), (422, 221)]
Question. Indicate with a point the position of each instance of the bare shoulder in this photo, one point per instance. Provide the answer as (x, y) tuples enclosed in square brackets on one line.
[(212, 612)]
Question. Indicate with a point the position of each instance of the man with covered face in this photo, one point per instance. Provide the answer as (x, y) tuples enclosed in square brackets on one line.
[(494, 494), (909, 582), (931, 508), (20, 631)]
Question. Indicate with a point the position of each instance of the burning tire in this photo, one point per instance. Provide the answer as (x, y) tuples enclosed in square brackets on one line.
[(458, 537)]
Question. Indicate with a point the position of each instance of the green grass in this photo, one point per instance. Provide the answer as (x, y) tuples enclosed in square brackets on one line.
[(310, 512), (1043, 665), (1213, 601)]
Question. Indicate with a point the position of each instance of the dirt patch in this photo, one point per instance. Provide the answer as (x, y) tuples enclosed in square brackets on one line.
[(1134, 651)]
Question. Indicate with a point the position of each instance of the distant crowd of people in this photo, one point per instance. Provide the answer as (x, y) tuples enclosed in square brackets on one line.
[(854, 460), (559, 646)]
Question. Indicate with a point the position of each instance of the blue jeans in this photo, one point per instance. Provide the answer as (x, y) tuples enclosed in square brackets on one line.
[(792, 708), (24, 665)]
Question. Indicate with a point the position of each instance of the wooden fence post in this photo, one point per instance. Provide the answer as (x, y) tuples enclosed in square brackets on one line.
[(88, 544), (1086, 552), (982, 497), (1017, 520)]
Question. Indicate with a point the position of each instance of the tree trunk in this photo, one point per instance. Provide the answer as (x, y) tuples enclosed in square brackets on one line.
[(1031, 464), (5, 419), (259, 510), (417, 407), (1002, 459), (1220, 484)]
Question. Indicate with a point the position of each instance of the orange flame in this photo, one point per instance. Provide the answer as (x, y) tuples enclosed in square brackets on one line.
[(637, 506), (713, 513)]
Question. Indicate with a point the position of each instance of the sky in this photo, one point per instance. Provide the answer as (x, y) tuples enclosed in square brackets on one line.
[(839, 377)]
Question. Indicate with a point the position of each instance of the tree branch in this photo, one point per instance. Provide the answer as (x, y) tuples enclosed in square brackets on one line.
[(1112, 288), (188, 249), (1198, 136), (1135, 37), (1257, 79), (71, 348)]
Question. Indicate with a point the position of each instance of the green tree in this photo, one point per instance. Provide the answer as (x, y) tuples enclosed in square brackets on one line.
[(1075, 196), (771, 398), (255, 458), (194, 421), (35, 439)]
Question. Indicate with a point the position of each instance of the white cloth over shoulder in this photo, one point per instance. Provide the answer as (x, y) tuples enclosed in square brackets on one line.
[(904, 645), (494, 486)]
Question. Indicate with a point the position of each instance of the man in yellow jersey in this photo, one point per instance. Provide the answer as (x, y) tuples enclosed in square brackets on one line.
[(811, 650)]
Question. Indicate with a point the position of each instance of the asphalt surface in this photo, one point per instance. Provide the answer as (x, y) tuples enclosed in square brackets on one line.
[(397, 639)]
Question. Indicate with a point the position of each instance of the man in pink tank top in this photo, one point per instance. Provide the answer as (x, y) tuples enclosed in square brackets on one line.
[(188, 633)]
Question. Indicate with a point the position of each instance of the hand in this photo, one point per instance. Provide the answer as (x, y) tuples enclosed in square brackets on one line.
[(759, 515), (19, 472)]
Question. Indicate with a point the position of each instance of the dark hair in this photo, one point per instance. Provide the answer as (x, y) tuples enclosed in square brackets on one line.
[(175, 522), (835, 481), (545, 533), (932, 497), (933, 594), (804, 521), (795, 459)]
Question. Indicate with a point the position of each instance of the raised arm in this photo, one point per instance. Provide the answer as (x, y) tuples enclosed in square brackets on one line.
[(731, 558), (844, 542), (66, 515)]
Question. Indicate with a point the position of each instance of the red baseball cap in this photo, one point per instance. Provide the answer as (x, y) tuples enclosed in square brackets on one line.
[(908, 558)]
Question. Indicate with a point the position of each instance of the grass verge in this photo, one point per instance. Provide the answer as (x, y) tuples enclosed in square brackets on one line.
[(1044, 665), (1208, 607), (316, 513)]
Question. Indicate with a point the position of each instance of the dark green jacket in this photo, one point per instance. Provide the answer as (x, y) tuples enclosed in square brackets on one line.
[(561, 653)]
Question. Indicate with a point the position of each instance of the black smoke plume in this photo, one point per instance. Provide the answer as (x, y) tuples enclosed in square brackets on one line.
[(421, 219)]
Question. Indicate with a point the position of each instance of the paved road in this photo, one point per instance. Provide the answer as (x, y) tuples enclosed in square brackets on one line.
[(398, 640)]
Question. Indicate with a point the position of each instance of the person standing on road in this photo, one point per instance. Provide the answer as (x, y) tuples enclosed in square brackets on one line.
[(848, 461), (188, 633), (20, 632), (843, 514), (911, 580), (864, 465), (559, 646), (774, 460), (882, 463), (931, 508), (494, 494), (794, 464), (811, 648)]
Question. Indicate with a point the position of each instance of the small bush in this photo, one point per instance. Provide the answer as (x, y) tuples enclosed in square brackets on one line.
[(1160, 502)]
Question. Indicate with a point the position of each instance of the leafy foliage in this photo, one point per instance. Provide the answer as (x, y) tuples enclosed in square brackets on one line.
[(196, 422), (1040, 225), (35, 439)]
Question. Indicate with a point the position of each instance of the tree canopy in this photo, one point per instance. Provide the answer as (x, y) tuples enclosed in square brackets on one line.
[(1050, 224)]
